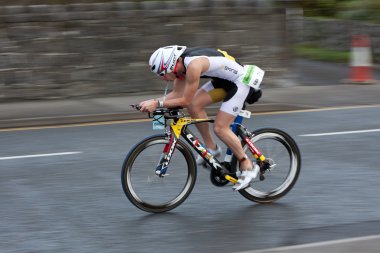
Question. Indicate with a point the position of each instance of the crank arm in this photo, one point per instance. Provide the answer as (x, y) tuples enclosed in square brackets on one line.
[(231, 179)]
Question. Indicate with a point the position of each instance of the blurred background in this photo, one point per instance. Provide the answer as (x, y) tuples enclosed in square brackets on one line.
[(57, 49)]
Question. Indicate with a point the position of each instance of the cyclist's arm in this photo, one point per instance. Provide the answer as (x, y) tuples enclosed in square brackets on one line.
[(177, 92), (190, 85)]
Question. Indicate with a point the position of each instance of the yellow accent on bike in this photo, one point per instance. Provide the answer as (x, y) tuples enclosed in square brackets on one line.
[(177, 127), (231, 179), (227, 55)]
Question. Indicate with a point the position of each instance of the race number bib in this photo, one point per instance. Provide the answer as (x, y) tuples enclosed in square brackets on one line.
[(253, 76)]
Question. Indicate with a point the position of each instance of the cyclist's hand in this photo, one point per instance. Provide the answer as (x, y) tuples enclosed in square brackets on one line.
[(148, 105)]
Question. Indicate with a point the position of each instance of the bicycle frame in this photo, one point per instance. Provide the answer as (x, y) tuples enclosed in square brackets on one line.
[(240, 131), (178, 127), (137, 167)]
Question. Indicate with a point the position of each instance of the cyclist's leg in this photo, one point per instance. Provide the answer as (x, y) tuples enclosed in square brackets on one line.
[(205, 96), (230, 108), (197, 111), (223, 131)]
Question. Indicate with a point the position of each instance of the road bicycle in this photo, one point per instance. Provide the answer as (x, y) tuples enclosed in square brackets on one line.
[(160, 171)]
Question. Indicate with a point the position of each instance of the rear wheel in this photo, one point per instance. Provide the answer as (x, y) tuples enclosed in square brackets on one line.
[(153, 193), (281, 169)]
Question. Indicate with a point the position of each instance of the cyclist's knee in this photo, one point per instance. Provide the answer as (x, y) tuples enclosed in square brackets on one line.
[(194, 110), (220, 128), (196, 107)]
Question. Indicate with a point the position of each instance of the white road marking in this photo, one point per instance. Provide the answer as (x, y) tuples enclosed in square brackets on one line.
[(345, 132), (38, 155)]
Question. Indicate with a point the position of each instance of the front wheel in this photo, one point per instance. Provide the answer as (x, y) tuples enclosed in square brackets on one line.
[(153, 193), (283, 160)]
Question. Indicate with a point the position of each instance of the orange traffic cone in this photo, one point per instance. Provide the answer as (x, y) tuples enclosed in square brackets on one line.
[(361, 60)]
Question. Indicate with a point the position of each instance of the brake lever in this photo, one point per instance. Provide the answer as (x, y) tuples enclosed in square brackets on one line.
[(136, 106)]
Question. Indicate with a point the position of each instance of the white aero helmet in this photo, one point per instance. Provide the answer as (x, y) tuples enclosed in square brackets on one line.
[(164, 59)]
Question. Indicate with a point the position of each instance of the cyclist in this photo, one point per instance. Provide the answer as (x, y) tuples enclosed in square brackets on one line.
[(185, 66)]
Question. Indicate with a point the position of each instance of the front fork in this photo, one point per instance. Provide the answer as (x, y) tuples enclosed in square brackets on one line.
[(166, 155)]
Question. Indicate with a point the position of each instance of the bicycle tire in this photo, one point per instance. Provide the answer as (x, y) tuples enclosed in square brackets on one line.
[(141, 160), (257, 192)]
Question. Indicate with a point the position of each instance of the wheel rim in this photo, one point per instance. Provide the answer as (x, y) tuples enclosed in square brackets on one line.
[(148, 190), (292, 163)]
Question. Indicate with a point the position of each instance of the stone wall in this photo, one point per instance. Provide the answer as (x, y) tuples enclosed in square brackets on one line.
[(76, 50)]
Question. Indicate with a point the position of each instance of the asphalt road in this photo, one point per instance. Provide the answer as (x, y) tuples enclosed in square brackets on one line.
[(67, 196)]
